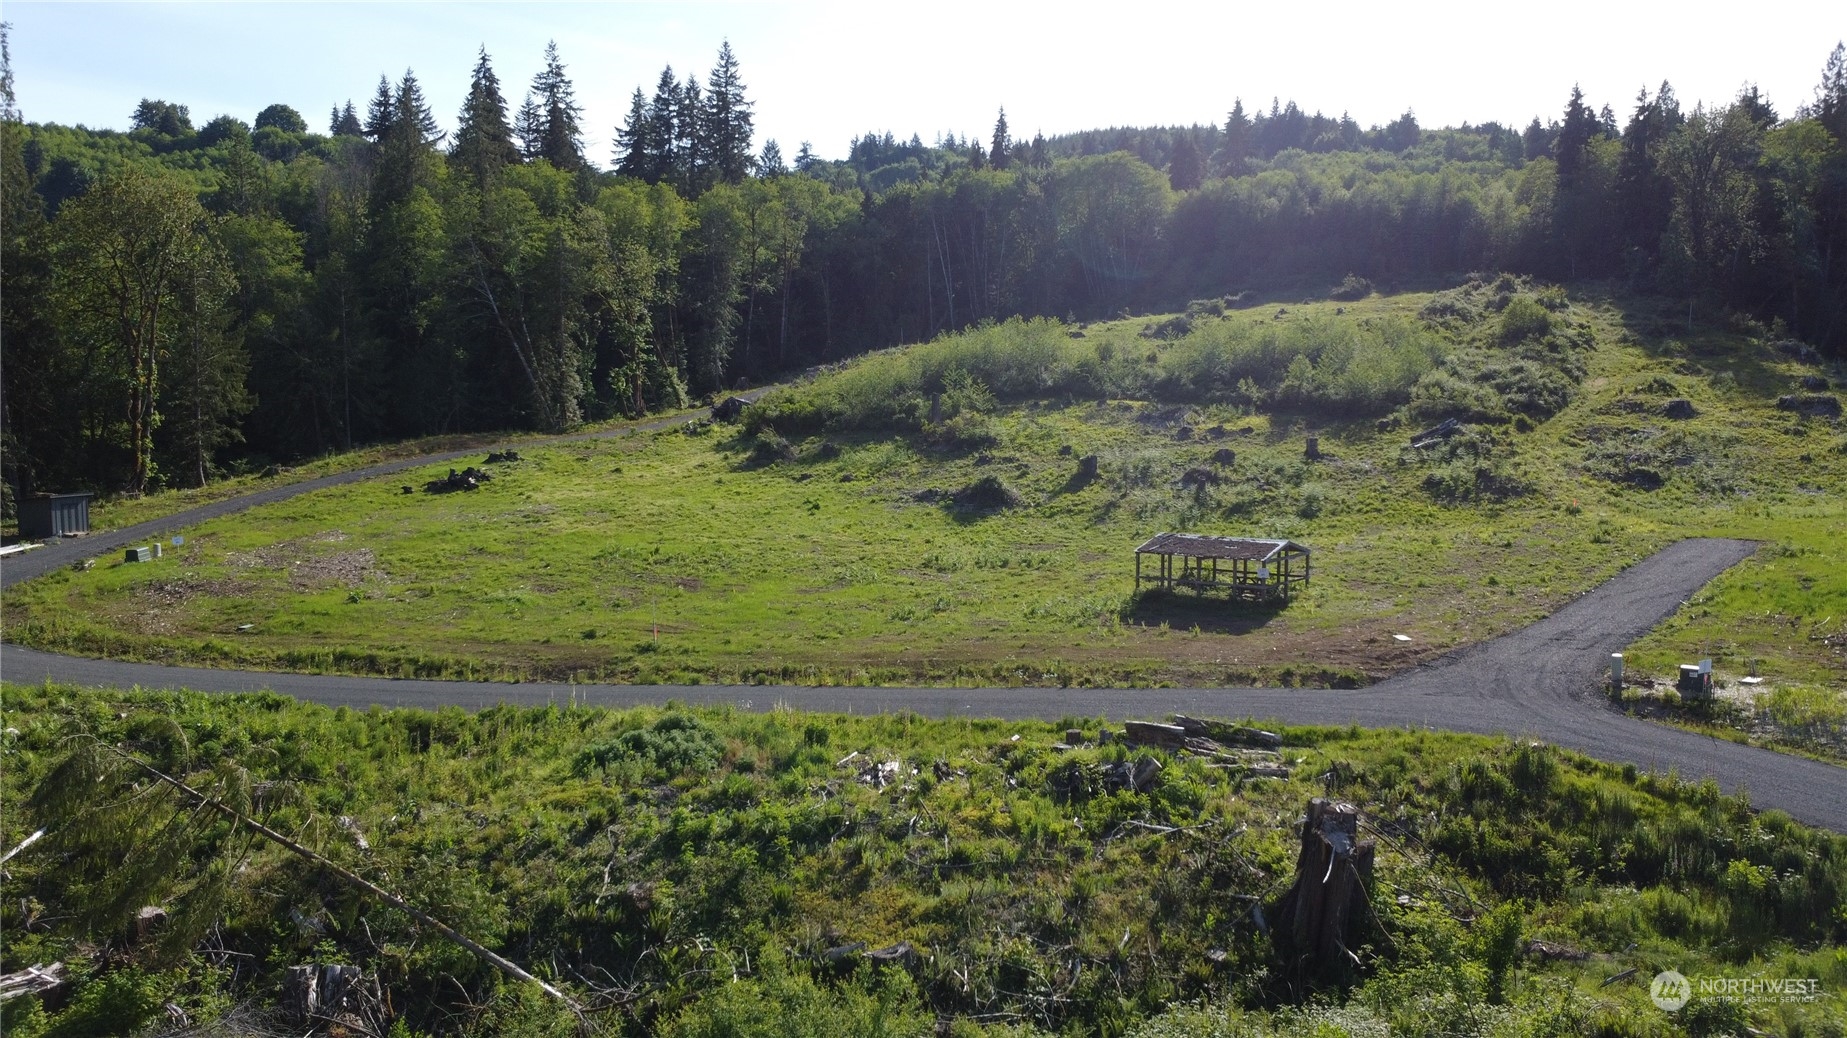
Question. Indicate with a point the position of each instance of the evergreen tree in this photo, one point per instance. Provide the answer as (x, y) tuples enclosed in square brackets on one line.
[(551, 116), (1401, 134), (1830, 106), (483, 139), (381, 113), (770, 164), (727, 120), (632, 144), (1536, 141), (1574, 137), (692, 158), (664, 154), (345, 122), (1644, 198), (1186, 170), (1001, 144), (9, 102), (1606, 121), (1757, 107), (805, 158)]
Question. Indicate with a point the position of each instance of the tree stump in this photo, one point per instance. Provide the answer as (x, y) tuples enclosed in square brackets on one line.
[(325, 992), (1314, 921)]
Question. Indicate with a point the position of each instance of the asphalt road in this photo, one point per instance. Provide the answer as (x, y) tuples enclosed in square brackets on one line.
[(1540, 682)]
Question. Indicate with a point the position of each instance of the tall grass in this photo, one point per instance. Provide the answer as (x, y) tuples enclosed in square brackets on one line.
[(1323, 364)]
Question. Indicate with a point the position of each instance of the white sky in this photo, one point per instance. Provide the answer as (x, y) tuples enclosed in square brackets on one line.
[(824, 72)]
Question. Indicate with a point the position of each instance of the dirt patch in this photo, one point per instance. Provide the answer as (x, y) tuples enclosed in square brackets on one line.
[(168, 593), (310, 567), (688, 583)]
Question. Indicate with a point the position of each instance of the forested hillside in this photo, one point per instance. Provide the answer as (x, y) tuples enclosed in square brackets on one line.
[(183, 299)]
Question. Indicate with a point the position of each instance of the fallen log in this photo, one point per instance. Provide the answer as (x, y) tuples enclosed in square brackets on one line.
[(33, 980), (1229, 734)]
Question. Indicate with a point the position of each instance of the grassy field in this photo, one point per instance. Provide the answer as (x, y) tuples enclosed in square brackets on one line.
[(822, 542), (707, 872)]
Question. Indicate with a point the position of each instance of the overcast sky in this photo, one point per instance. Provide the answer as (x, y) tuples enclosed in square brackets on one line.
[(825, 72)]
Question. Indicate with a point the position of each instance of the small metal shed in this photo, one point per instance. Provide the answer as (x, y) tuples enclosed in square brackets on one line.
[(1246, 567), (54, 515)]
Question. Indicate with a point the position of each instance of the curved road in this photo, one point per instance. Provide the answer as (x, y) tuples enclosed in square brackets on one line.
[(1539, 682)]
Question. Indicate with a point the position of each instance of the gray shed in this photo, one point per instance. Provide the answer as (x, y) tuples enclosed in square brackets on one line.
[(54, 515)]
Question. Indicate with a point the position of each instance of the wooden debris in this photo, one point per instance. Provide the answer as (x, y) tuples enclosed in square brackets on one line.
[(469, 478), (1624, 975), (1551, 952), (1139, 775), (1229, 734), (33, 980), (1437, 433), (1153, 733), (1314, 921), (900, 954)]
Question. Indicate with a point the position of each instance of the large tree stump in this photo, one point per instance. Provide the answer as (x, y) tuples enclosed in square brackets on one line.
[(1314, 921)]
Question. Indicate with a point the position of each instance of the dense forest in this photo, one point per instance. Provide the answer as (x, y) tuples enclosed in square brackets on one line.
[(182, 299)]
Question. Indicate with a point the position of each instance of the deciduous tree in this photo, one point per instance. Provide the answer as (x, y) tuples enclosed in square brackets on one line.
[(127, 254)]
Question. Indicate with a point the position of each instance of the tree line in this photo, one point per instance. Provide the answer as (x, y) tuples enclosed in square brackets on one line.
[(178, 300)]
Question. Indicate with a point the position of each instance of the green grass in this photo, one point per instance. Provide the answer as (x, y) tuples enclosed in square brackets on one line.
[(686, 556), (647, 852)]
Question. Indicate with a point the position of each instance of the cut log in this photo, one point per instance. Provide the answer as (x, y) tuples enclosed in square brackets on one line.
[(1229, 734), (1153, 733), (1315, 920)]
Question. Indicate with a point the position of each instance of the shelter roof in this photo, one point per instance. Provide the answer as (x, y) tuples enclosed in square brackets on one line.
[(1206, 546)]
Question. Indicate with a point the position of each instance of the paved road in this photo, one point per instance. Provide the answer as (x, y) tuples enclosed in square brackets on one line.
[(1539, 682)]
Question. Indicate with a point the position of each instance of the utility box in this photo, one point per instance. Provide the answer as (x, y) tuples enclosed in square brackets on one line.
[(1694, 681), (54, 515), (138, 555)]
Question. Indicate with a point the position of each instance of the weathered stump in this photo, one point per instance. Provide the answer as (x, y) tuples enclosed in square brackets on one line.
[(1315, 920), (1087, 466), (330, 994), (1313, 450)]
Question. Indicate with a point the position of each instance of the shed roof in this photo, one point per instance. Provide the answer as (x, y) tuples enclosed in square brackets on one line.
[(1205, 546)]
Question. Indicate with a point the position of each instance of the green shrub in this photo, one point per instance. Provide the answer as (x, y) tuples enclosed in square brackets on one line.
[(783, 1003), (769, 448), (672, 745), (1523, 319)]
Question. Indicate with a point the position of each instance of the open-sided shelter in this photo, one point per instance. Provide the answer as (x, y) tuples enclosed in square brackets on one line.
[(1252, 568)]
